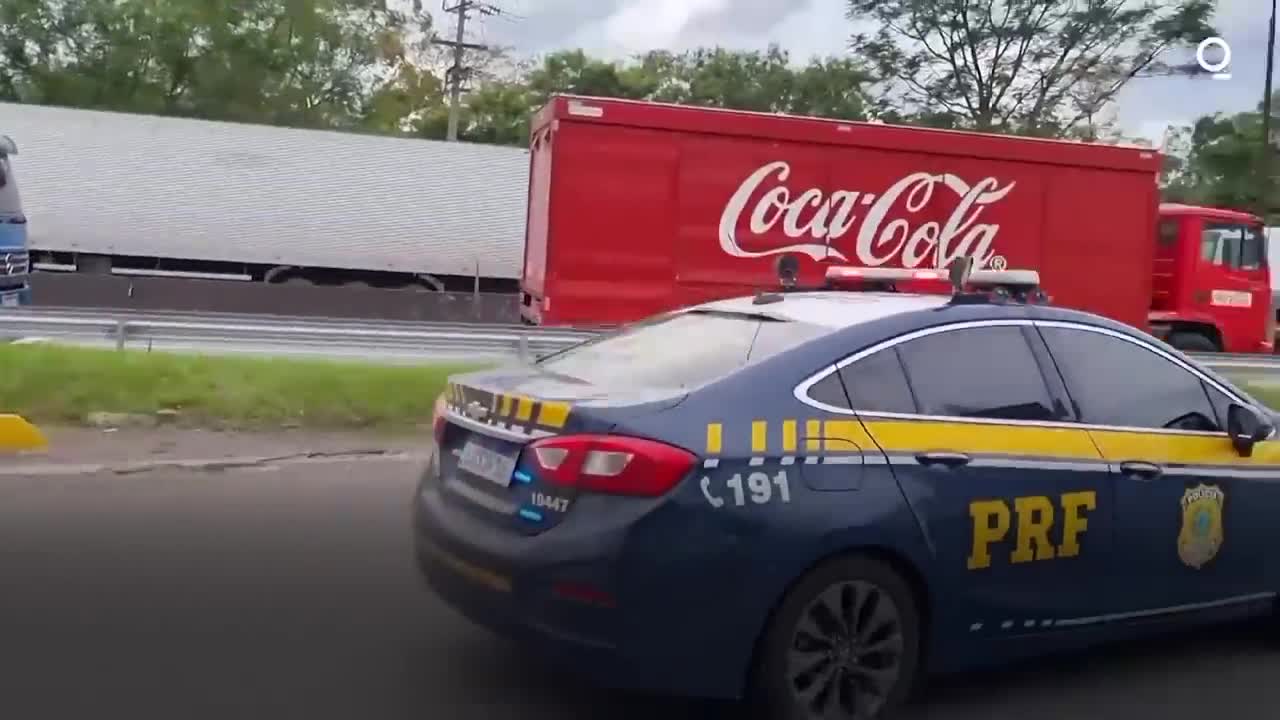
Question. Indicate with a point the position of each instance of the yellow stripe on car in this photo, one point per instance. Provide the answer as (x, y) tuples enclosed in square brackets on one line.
[(553, 414), (1181, 449), (715, 438), (17, 434), (1039, 441)]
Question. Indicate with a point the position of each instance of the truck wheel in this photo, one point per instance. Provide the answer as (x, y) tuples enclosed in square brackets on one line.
[(845, 643), (1193, 342)]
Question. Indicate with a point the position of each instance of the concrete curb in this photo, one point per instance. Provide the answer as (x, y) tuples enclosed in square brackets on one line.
[(36, 469), (18, 435)]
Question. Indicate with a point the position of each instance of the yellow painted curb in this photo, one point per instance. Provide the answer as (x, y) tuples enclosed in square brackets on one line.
[(17, 434)]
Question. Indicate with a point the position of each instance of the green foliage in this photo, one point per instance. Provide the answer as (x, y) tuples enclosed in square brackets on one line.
[(1218, 161), (499, 110), (1037, 67), (304, 63), (351, 64)]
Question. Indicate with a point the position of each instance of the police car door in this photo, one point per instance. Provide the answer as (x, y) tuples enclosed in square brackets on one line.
[(1188, 507), (1015, 502)]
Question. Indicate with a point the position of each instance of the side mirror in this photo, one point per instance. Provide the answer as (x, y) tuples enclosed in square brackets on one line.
[(1247, 427)]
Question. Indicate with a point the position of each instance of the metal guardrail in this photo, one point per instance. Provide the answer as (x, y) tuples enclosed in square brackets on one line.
[(1243, 363), (370, 340), (382, 341)]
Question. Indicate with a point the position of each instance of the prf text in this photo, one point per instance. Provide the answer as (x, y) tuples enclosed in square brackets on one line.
[(1045, 531)]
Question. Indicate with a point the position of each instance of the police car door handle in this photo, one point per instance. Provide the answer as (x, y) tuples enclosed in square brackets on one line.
[(945, 459), (1141, 470)]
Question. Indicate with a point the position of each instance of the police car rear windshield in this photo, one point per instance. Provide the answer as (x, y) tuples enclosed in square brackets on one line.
[(680, 350)]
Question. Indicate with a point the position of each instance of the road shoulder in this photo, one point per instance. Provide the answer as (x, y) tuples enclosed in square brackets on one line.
[(84, 450)]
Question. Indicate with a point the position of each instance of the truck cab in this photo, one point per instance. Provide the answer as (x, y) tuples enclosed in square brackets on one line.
[(14, 260), (1211, 285)]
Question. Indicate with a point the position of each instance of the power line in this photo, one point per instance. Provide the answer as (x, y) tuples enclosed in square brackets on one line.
[(459, 72)]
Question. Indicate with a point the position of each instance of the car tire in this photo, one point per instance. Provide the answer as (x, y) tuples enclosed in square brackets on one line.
[(885, 644), (1193, 342)]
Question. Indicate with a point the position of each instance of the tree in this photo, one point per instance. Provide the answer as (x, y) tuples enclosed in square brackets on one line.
[(1216, 162), (498, 110), (762, 81), (309, 63), (1040, 67), (573, 72)]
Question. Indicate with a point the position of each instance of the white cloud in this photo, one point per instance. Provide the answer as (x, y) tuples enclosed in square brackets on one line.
[(642, 24), (618, 28)]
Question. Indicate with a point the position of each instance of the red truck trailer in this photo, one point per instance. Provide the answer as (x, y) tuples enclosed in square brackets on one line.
[(637, 208)]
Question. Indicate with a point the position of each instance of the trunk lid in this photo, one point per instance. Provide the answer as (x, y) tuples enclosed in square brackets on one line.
[(492, 418)]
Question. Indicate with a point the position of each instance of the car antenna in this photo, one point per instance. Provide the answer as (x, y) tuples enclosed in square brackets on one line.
[(787, 268), (959, 273)]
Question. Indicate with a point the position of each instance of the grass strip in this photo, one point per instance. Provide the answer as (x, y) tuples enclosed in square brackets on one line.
[(1266, 393), (65, 385)]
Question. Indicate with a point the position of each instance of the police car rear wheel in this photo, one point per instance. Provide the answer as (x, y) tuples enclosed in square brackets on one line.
[(844, 644)]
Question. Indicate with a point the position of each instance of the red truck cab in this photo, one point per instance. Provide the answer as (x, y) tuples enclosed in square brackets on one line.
[(1211, 287)]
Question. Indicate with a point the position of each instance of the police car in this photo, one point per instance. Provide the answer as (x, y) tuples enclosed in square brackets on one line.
[(811, 498)]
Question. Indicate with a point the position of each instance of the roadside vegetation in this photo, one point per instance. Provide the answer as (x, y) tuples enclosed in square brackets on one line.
[(79, 386), (1268, 393)]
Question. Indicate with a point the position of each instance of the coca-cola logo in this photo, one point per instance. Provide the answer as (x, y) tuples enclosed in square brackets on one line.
[(890, 228)]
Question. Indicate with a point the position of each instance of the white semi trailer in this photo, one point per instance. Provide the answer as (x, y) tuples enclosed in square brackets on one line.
[(131, 194)]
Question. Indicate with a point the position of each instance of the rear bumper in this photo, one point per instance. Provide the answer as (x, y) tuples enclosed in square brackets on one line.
[(646, 639), (15, 297)]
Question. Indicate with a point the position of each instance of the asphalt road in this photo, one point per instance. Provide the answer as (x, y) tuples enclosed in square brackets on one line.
[(289, 593)]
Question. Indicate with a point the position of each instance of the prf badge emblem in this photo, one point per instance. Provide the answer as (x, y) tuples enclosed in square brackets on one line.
[(1201, 534)]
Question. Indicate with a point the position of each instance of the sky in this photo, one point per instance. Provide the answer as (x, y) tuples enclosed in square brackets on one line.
[(618, 28)]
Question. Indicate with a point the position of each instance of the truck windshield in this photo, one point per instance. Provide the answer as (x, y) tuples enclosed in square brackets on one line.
[(679, 351)]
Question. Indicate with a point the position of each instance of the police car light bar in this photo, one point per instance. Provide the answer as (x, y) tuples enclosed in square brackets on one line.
[(1007, 278), (954, 281), (845, 272), (929, 282), (1010, 278)]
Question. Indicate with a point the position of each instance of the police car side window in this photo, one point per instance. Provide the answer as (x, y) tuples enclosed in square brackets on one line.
[(1116, 382), (1221, 403), (877, 383), (984, 372), (829, 391), (977, 373)]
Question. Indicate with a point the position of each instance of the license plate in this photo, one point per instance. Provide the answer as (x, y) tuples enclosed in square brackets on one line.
[(492, 466), (9, 300)]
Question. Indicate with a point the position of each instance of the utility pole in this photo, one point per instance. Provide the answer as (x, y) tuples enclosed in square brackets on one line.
[(1268, 152), (458, 72)]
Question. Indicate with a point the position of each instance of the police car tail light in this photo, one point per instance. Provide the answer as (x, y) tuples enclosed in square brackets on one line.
[(612, 464)]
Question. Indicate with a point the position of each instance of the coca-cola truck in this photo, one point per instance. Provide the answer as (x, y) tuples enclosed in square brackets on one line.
[(637, 208)]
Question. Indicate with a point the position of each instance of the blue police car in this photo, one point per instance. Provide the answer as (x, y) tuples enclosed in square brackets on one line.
[(811, 499)]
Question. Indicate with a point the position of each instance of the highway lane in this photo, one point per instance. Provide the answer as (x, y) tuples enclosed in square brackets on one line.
[(289, 592)]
